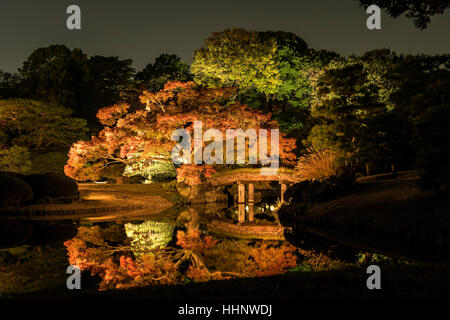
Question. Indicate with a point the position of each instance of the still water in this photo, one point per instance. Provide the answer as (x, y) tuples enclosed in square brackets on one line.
[(192, 244)]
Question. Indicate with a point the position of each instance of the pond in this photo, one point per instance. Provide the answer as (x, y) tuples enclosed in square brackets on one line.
[(196, 243)]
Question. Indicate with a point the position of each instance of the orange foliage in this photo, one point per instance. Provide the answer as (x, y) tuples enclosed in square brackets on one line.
[(118, 268), (194, 174), (108, 116), (145, 135), (194, 241), (269, 260)]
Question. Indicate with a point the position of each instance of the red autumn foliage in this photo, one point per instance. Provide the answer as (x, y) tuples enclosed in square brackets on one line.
[(194, 174), (118, 268), (145, 135), (194, 241), (108, 116), (269, 260)]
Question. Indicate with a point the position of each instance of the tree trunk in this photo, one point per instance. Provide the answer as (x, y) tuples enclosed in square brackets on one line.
[(367, 169)]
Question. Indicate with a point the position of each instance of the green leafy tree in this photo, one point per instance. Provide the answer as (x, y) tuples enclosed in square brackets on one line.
[(423, 96), (367, 106), (237, 58), (167, 67), (40, 127), (15, 159), (347, 106), (9, 85), (59, 75), (272, 70), (111, 78)]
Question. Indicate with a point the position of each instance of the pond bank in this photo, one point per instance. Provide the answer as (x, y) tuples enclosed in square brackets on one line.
[(102, 200), (388, 215), (399, 283)]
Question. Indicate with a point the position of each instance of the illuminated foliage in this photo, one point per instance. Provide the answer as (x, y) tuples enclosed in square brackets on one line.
[(148, 235), (142, 138), (193, 241), (237, 57), (192, 174), (266, 259), (15, 159), (199, 258), (319, 261), (38, 126), (317, 165), (166, 68)]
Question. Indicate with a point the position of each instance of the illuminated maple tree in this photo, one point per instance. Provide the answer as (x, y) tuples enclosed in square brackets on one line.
[(138, 140)]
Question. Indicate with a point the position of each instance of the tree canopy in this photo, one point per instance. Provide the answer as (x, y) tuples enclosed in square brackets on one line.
[(166, 67), (419, 11), (139, 140), (39, 126), (36, 135), (110, 77), (57, 74), (237, 58)]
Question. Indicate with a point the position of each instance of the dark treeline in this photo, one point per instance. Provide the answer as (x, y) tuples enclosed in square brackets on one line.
[(85, 84), (52, 101), (381, 111)]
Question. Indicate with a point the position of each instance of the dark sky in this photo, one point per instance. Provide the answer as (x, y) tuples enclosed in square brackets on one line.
[(141, 30)]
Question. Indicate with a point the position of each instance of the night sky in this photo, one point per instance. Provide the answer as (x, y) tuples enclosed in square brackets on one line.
[(141, 30)]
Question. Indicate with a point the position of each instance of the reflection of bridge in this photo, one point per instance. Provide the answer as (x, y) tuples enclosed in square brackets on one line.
[(249, 179)]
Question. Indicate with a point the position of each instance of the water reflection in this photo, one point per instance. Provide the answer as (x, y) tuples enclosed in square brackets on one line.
[(200, 243)]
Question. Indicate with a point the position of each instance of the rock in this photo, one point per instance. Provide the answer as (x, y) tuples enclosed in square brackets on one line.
[(184, 190), (211, 196), (201, 193), (13, 190), (190, 219)]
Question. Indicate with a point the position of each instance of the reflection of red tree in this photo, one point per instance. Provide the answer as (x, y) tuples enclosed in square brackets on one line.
[(194, 241), (118, 268), (269, 260)]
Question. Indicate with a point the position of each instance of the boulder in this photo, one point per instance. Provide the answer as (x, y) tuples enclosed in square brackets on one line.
[(184, 190)]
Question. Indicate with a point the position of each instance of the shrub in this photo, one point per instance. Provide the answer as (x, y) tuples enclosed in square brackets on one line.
[(317, 165), (308, 193), (316, 191), (13, 191), (52, 186), (15, 159), (433, 156), (51, 162)]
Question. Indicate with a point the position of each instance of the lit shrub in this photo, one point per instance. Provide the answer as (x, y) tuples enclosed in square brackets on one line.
[(15, 159), (49, 162), (317, 165)]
